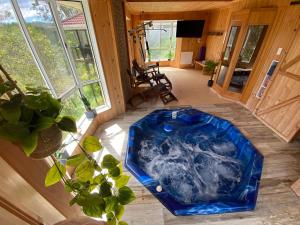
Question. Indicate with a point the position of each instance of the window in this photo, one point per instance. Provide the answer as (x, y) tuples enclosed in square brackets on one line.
[(51, 43), (247, 57), (161, 39)]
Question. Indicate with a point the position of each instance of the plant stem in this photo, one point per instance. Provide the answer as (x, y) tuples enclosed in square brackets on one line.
[(14, 83), (60, 173)]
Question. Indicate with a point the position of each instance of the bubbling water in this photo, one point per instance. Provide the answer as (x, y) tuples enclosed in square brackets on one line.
[(192, 165)]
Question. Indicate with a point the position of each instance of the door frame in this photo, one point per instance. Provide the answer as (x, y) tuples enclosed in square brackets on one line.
[(245, 19)]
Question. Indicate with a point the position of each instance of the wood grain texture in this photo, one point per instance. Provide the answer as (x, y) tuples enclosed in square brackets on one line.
[(279, 107), (19, 192), (277, 203), (173, 6), (26, 217)]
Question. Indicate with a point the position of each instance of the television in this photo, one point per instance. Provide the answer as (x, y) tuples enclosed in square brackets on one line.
[(190, 28)]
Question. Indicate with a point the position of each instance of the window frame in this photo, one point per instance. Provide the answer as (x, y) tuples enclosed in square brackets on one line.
[(68, 54), (171, 47)]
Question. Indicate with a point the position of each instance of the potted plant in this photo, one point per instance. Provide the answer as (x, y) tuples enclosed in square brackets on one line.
[(32, 119), (90, 113), (209, 67), (99, 188)]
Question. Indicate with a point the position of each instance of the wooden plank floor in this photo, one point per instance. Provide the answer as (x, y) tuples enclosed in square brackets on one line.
[(277, 203)]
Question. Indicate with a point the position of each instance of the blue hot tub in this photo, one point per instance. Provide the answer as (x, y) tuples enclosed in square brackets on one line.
[(194, 162)]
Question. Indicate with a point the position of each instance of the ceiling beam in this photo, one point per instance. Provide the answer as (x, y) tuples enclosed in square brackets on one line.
[(149, 1)]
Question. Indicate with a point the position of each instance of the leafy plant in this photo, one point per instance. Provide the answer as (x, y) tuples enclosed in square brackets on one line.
[(99, 188), (210, 66), (24, 115)]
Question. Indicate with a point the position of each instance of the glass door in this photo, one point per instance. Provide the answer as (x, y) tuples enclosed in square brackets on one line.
[(228, 52), (247, 57)]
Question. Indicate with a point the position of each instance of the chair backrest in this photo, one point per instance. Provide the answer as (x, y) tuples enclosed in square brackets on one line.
[(137, 69)]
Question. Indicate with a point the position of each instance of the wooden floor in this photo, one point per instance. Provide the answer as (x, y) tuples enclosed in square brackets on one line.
[(277, 203), (190, 88)]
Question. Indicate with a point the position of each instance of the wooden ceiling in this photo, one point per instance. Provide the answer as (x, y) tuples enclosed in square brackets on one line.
[(155, 6)]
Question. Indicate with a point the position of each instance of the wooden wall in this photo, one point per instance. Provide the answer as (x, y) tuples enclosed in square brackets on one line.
[(282, 35), (279, 108), (19, 193), (101, 11), (182, 44)]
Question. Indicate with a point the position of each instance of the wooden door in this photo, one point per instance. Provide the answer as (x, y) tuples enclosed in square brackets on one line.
[(280, 106), (238, 77), (233, 41)]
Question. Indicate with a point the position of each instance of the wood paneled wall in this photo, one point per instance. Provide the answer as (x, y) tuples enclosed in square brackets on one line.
[(282, 35), (18, 192), (101, 11), (279, 107), (219, 21)]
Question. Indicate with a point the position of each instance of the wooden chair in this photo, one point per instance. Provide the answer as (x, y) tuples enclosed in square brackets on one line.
[(153, 73)]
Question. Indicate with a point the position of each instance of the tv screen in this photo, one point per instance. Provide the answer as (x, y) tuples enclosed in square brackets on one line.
[(190, 28)]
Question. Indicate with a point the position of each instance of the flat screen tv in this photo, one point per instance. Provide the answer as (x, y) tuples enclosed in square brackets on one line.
[(190, 28)]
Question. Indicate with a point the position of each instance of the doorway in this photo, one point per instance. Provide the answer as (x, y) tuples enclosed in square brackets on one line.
[(242, 47)]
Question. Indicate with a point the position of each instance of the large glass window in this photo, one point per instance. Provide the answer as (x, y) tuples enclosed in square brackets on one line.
[(161, 39), (51, 43), (15, 55), (47, 43)]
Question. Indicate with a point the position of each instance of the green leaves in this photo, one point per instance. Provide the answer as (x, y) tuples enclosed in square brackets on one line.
[(122, 223), (11, 110), (111, 219), (111, 203), (109, 162), (67, 123), (126, 195), (37, 102), (75, 160), (44, 123), (105, 189), (115, 172), (92, 204), (122, 181), (91, 144), (29, 143), (99, 190), (85, 171), (5, 87), (54, 174), (119, 211)]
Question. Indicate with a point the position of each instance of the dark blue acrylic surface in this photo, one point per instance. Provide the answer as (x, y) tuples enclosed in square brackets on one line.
[(203, 163)]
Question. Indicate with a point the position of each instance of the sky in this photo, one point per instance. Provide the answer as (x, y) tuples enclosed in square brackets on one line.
[(29, 14)]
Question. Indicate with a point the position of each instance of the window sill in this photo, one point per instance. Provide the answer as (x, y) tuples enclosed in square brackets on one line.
[(82, 126)]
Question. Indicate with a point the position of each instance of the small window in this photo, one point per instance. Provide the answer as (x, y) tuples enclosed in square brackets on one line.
[(161, 38)]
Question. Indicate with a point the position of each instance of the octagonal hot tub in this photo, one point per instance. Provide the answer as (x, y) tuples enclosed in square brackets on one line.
[(194, 162)]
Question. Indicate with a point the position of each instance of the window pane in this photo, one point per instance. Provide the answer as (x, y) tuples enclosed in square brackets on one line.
[(14, 52), (165, 35), (233, 35), (74, 24), (73, 106), (248, 54), (93, 94), (41, 27), (231, 42), (161, 39)]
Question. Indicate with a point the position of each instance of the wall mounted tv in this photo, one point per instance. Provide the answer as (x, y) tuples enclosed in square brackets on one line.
[(190, 28)]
